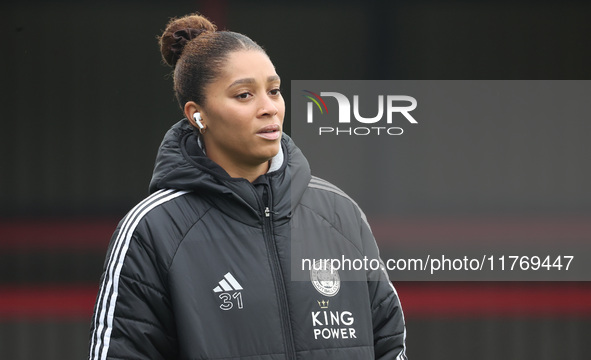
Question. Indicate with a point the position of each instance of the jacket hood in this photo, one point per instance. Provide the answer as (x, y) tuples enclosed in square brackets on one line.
[(181, 164)]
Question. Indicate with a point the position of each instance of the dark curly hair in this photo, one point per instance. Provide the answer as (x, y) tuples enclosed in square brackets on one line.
[(197, 52)]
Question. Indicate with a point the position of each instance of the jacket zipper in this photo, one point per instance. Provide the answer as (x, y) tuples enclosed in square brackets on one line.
[(279, 281)]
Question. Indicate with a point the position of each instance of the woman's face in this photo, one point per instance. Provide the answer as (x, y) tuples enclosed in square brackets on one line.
[(244, 112)]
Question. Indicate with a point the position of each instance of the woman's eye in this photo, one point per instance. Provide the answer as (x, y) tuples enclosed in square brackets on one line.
[(243, 96), (275, 92)]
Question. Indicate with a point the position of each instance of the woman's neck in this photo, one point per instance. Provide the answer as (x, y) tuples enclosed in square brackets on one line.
[(237, 170), (250, 173)]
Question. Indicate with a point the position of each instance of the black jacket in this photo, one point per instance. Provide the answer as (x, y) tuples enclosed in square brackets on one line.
[(210, 267)]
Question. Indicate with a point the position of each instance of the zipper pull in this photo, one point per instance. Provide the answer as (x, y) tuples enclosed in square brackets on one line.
[(267, 212)]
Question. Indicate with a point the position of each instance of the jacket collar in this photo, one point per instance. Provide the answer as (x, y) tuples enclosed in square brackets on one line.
[(182, 164)]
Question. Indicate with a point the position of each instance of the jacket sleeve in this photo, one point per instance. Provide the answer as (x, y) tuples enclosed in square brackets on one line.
[(132, 315), (388, 319)]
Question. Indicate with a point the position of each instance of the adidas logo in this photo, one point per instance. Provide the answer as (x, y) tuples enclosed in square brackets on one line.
[(228, 283)]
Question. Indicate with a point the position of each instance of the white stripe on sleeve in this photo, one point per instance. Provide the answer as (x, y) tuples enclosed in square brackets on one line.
[(108, 293)]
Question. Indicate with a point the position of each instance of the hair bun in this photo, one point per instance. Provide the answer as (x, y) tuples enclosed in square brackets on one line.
[(181, 37), (179, 32)]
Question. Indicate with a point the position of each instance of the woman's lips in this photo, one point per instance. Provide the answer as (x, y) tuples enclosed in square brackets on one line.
[(270, 132)]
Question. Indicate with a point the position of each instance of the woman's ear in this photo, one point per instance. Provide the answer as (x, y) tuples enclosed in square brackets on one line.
[(190, 109)]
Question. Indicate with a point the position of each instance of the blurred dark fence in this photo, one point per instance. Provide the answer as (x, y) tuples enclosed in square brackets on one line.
[(85, 102)]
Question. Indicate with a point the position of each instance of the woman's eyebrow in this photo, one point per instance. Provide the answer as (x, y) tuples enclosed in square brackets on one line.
[(252, 80), (242, 81)]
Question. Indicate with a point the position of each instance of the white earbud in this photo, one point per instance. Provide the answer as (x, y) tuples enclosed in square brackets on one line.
[(197, 118)]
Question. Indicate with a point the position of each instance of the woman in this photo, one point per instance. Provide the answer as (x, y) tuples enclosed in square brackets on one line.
[(206, 267)]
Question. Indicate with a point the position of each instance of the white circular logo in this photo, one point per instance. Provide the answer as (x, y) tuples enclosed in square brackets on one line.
[(326, 280)]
